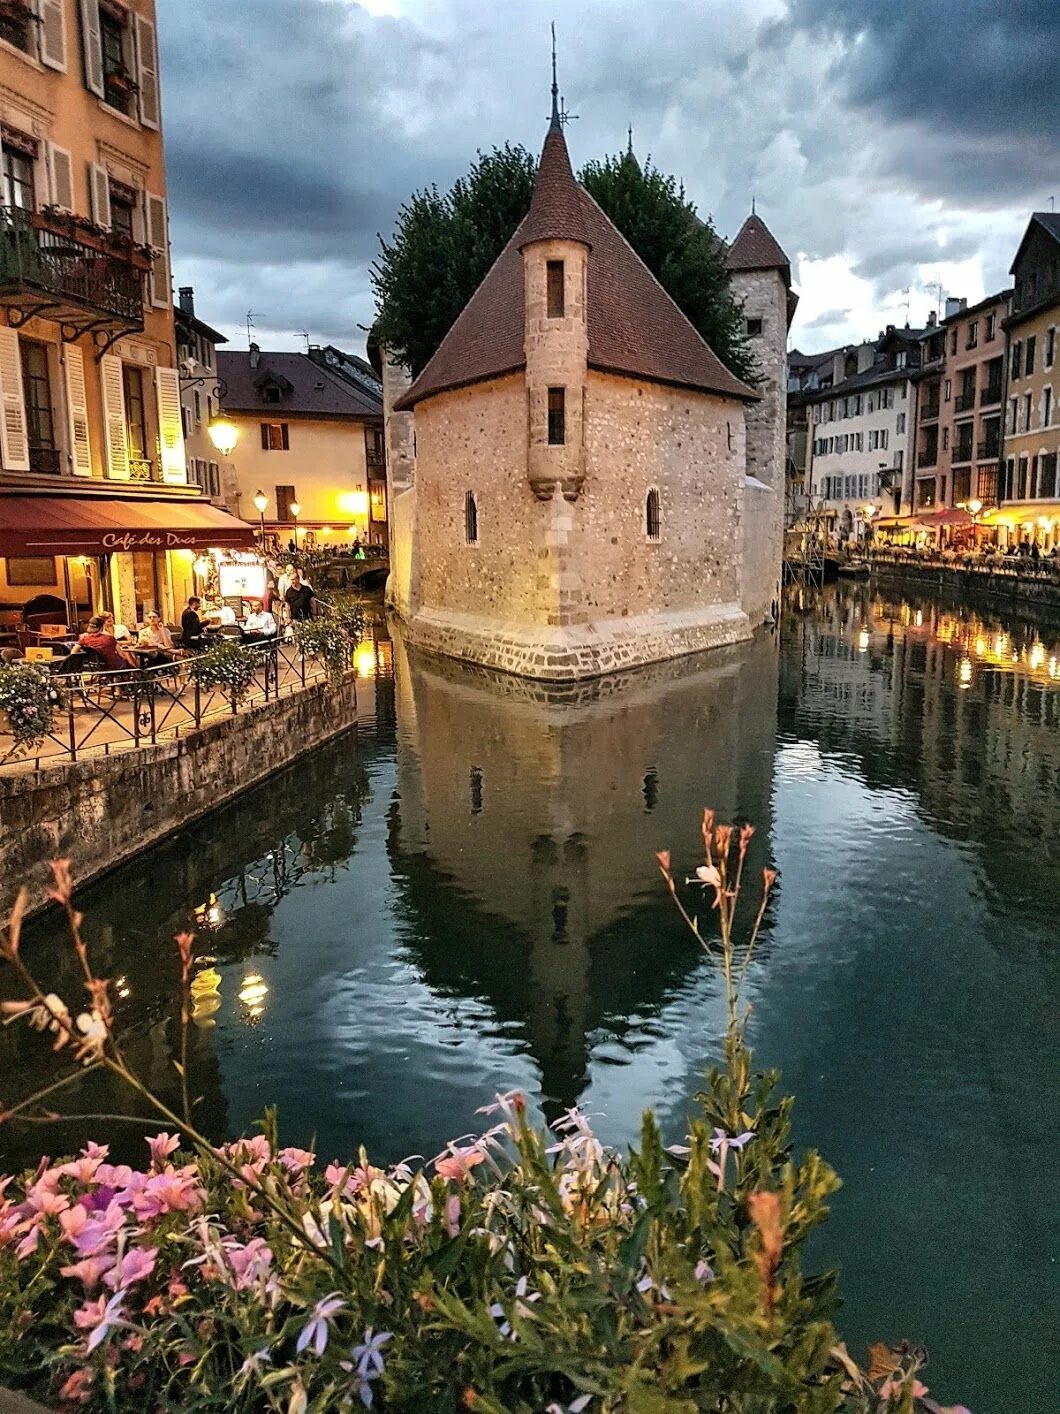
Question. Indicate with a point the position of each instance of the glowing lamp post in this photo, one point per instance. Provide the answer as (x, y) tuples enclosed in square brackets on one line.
[(868, 512), (295, 509), (223, 434), (260, 502)]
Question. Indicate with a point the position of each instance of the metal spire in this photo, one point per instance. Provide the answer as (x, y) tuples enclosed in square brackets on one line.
[(555, 121), (753, 211), (629, 149)]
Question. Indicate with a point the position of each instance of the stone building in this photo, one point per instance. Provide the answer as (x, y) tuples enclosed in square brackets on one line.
[(960, 391), (200, 399), (1031, 488), (586, 489)]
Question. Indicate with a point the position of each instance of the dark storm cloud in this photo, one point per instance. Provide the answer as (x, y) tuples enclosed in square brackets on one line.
[(975, 79), (295, 128)]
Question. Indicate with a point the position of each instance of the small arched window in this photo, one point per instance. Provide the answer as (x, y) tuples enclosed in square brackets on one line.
[(652, 523), (470, 518)]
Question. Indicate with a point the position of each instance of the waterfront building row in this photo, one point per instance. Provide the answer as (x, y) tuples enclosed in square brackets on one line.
[(975, 424)]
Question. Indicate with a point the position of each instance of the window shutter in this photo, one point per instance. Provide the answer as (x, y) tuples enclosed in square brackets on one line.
[(60, 177), (92, 46), (284, 435), (99, 190), (77, 410), (148, 64), (170, 429), (14, 442), (158, 239), (52, 34), (264, 436), (117, 436)]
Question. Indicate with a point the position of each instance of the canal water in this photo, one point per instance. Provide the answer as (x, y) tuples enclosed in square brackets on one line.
[(462, 898)]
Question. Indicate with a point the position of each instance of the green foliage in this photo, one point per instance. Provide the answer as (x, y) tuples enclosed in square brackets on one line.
[(327, 640), (28, 697), (444, 245), (442, 248), (227, 665), (681, 249)]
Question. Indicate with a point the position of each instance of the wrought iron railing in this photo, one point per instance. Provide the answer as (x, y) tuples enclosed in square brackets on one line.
[(964, 401), (47, 257), (141, 469), (928, 458), (990, 394), (107, 711)]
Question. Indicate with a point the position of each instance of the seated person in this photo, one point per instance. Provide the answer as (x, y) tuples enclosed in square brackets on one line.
[(106, 645), (118, 631), (221, 616), (191, 629), (154, 634), (259, 625)]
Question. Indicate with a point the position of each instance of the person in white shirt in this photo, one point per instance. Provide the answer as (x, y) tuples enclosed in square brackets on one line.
[(259, 625)]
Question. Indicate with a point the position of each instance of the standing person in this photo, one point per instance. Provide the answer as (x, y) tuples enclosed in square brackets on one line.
[(191, 630), (299, 599)]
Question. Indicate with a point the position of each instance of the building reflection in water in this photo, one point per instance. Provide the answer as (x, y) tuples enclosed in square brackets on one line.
[(527, 823)]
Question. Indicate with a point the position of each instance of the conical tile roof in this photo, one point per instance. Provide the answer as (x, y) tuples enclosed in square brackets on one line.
[(756, 248), (635, 328)]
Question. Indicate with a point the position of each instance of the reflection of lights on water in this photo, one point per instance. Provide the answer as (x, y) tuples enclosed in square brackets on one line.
[(1054, 667), (863, 640), (920, 618), (210, 914), (122, 988), (965, 672), (205, 996), (980, 647), (364, 660), (1037, 656), (1000, 644), (252, 994)]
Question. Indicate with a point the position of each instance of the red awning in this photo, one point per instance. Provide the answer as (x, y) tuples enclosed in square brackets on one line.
[(68, 525), (950, 515)]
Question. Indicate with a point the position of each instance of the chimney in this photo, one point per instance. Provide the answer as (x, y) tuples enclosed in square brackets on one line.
[(255, 355), (954, 306), (186, 294), (931, 319), (890, 328)]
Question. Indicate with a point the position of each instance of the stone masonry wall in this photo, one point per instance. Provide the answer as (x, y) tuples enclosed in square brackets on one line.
[(764, 297), (690, 447), (100, 812)]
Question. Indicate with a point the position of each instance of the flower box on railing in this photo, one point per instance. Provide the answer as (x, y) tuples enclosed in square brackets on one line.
[(79, 228)]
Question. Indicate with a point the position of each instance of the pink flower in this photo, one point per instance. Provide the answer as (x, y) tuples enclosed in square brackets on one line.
[(895, 1386), (114, 1175), (44, 1199), (78, 1388), (137, 1264), (88, 1271), (84, 1169), (73, 1220), (174, 1192), (97, 1234), (161, 1146), (458, 1163), (100, 1317), (250, 1262), (296, 1161), (452, 1214), (28, 1245)]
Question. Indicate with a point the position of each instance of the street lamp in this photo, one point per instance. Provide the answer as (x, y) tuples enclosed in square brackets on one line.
[(223, 434), (295, 508), (260, 502)]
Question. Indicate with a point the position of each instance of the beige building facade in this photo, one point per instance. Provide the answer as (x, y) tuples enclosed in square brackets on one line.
[(98, 508), (1031, 488), (580, 497)]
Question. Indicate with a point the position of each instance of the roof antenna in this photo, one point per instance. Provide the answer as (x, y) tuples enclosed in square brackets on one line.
[(304, 333), (250, 327), (753, 211), (629, 149)]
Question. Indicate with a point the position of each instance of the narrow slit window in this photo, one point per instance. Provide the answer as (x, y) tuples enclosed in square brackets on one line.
[(557, 419), (652, 524), (470, 518), (554, 274)]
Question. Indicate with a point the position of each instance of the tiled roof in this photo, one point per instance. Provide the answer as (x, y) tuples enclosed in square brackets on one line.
[(635, 328), (306, 388), (756, 248)]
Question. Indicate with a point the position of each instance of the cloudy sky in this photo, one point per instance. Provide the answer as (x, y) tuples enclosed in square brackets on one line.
[(893, 146)]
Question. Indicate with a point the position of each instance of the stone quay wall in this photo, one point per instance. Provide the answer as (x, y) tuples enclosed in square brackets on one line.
[(102, 811), (1021, 591)]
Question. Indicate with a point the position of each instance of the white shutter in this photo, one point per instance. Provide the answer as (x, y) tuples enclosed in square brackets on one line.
[(148, 64), (158, 238), (92, 42), (52, 33), (77, 411), (114, 426), (170, 427), (99, 190), (60, 177), (14, 441)]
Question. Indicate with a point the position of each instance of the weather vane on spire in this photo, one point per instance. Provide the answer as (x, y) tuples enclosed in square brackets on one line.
[(560, 117)]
